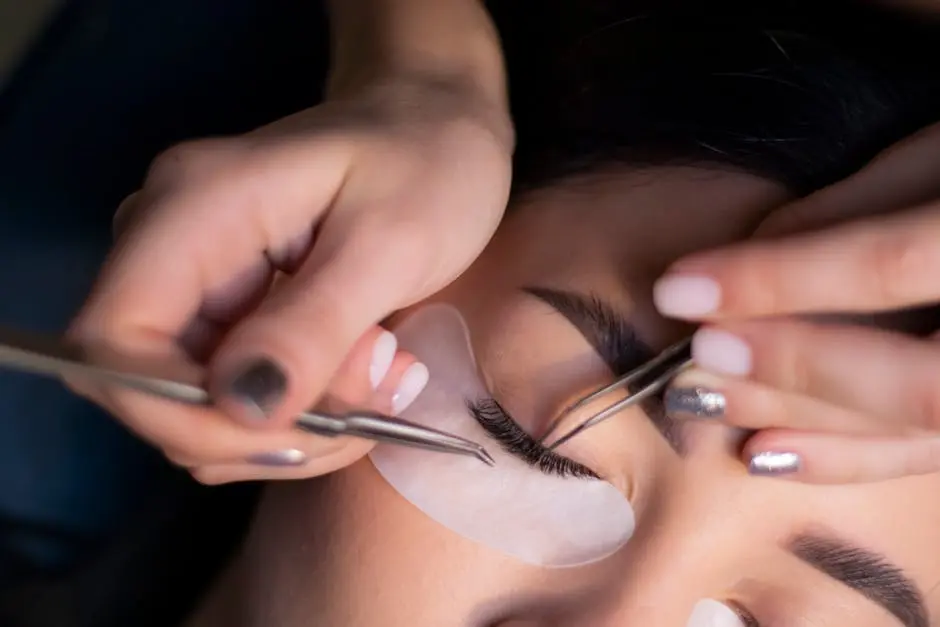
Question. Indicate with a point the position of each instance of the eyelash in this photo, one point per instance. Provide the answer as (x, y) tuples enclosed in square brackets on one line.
[(497, 422), (744, 614), (500, 425)]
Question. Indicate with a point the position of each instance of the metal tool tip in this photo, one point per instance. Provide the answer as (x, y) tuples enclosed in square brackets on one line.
[(485, 457)]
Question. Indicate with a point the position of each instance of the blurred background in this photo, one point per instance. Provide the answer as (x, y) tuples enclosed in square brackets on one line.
[(20, 22), (95, 529)]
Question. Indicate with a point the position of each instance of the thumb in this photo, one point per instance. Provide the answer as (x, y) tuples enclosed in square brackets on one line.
[(278, 361)]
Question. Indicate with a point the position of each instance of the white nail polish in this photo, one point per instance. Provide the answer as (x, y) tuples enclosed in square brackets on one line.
[(383, 354), (711, 613), (411, 385), (721, 352), (686, 296)]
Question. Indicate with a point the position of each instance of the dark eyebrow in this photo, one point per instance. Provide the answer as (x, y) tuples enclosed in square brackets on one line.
[(866, 572), (614, 339)]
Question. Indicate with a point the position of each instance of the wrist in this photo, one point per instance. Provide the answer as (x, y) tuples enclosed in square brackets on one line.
[(447, 43)]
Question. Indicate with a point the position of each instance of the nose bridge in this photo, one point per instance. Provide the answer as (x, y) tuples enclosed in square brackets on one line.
[(692, 548)]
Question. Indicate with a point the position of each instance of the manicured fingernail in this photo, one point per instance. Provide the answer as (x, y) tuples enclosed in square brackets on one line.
[(711, 613), (383, 354), (260, 386), (411, 385), (721, 352), (686, 296), (772, 463), (287, 457), (694, 402)]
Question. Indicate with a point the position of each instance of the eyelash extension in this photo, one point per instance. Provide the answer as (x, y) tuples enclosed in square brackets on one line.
[(497, 422), (744, 614)]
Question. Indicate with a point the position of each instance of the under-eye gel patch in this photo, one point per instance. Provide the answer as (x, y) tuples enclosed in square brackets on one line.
[(513, 508), (711, 613)]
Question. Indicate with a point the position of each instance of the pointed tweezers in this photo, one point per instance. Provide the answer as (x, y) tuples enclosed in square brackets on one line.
[(52, 357), (663, 368)]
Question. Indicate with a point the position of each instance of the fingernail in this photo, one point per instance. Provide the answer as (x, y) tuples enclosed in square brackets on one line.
[(383, 354), (721, 352), (260, 387), (772, 463), (411, 385), (287, 457), (686, 296), (694, 402), (711, 613)]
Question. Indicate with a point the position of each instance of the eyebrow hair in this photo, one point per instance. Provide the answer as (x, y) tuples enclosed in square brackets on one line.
[(866, 572), (614, 338)]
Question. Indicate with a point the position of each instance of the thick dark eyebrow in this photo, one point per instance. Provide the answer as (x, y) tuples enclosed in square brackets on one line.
[(614, 338), (866, 572)]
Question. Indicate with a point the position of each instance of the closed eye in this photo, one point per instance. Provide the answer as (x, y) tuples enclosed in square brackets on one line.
[(500, 426)]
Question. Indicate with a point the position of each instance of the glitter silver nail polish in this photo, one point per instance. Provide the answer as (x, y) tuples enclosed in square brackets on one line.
[(772, 463), (287, 457), (694, 402)]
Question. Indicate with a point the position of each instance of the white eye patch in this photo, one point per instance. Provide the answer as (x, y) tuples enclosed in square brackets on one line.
[(512, 508), (711, 613)]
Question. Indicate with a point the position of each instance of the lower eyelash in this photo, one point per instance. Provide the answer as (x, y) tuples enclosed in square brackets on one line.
[(497, 422)]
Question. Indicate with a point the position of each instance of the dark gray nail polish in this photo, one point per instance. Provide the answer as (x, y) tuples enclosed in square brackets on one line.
[(287, 457), (694, 402), (772, 463), (260, 386)]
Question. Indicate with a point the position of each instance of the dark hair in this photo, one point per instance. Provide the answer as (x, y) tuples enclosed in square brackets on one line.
[(802, 92)]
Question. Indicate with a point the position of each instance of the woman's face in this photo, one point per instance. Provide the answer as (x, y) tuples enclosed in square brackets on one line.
[(348, 549)]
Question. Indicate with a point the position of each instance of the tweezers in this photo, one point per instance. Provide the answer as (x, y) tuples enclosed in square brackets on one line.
[(652, 377), (53, 357)]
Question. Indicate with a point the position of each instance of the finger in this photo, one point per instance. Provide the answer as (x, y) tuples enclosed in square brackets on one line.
[(218, 474), (127, 213), (701, 396), (820, 458), (875, 264), (280, 359), (903, 176), (207, 435), (365, 368), (195, 237), (397, 389), (886, 375)]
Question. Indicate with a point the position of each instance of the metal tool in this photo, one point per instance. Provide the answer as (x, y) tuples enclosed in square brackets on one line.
[(652, 377), (49, 356)]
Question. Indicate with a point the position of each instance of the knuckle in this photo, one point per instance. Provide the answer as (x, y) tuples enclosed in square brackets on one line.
[(923, 457), (172, 161), (793, 372), (900, 266), (752, 287), (926, 418), (179, 161)]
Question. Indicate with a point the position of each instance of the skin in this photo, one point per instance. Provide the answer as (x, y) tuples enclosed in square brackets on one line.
[(235, 250), (346, 549), (854, 403)]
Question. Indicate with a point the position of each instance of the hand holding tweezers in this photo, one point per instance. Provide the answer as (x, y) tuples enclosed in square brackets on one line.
[(52, 357), (652, 377)]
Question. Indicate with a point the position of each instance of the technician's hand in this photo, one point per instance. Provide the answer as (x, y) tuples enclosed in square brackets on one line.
[(357, 208), (831, 401)]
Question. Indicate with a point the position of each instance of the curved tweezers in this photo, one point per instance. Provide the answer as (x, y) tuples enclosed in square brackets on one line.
[(663, 368), (53, 357)]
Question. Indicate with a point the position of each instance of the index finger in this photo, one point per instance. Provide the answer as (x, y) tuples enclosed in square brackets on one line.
[(876, 264)]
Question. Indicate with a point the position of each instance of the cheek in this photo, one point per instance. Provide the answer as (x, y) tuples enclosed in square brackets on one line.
[(513, 509), (349, 550)]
